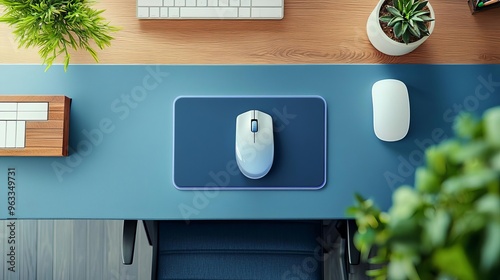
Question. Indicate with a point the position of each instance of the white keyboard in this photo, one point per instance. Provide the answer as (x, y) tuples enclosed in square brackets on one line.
[(210, 9)]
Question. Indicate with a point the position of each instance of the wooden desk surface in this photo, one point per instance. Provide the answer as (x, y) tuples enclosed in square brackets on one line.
[(327, 31)]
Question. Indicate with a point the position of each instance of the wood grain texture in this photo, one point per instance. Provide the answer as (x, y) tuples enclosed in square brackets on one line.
[(72, 250), (63, 239), (27, 249), (44, 138), (45, 251), (319, 31)]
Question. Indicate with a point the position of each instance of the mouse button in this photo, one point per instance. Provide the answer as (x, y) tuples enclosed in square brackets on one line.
[(242, 125), (254, 125)]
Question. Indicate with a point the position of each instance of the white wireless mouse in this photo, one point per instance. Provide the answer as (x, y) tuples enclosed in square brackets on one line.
[(391, 110), (254, 143)]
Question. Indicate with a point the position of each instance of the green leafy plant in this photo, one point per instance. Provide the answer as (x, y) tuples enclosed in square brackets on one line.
[(408, 17), (448, 225), (56, 26)]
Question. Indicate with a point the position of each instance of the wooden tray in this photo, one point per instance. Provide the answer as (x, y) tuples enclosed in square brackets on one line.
[(34, 125)]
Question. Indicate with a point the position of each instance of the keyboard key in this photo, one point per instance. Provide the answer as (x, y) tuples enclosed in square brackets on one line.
[(143, 12), (163, 12), (20, 134), (266, 13), (32, 107), (191, 3), (208, 12), (174, 12), (180, 3), (244, 12), (8, 116), (10, 136), (3, 133), (201, 3), (9, 106), (224, 3), (267, 3), (32, 116), (168, 3), (245, 3), (213, 3), (234, 3), (149, 3), (154, 12)]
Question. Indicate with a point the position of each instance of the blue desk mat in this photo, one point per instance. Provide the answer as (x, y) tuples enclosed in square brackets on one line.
[(204, 139)]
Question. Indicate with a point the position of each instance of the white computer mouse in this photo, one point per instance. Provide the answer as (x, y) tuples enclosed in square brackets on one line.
[(254, 143), (391, 110)]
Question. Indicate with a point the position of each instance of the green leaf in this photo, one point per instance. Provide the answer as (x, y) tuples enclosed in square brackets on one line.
[(420, 13), (394, 11), (489, 204), (470, 152), (397, 29), (490, 256), (436, 228), (454, 261), (466, 126), (420, 5), (407, 7), (414, 30), (436, 160), (495, 162), (394, 20), (400, 5), (417, 19), (426, 181), (364, 241), (385, 18), (406, 37), (426, 18), (423, 28), (492, 126), (473, 181)]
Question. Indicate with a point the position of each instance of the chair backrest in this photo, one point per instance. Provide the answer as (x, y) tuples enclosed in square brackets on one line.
[(239, 250)]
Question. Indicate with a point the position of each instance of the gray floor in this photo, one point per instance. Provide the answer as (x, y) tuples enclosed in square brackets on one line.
[(66, 250), (91, 249)]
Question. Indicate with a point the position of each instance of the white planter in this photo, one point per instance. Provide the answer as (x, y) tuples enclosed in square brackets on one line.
[(385, 44)]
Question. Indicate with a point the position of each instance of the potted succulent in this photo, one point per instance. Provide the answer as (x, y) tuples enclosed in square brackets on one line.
[(397, 27), (448, 225), (56, 26)]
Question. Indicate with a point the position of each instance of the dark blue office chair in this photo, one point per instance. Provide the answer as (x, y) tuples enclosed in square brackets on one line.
[(232, 249)]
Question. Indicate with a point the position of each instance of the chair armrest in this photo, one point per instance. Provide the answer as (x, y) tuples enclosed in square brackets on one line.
[(128, 243)]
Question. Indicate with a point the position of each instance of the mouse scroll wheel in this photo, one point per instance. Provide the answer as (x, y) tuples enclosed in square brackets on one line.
[(254, 126)]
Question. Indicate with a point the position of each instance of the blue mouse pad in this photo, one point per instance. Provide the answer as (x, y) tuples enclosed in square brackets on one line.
[(204, 142)]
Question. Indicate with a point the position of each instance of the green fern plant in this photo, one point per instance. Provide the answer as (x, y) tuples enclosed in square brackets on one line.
[(408, 17), (56, 26)]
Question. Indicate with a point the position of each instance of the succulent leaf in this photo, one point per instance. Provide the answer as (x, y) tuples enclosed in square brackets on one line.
[(395, 12), (386, 18), (398, 29), (394, 20), (426, 18), (406, 37), (414, 30)]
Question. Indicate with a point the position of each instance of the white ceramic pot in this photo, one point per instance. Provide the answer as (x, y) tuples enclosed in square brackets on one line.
[(385, 44)]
